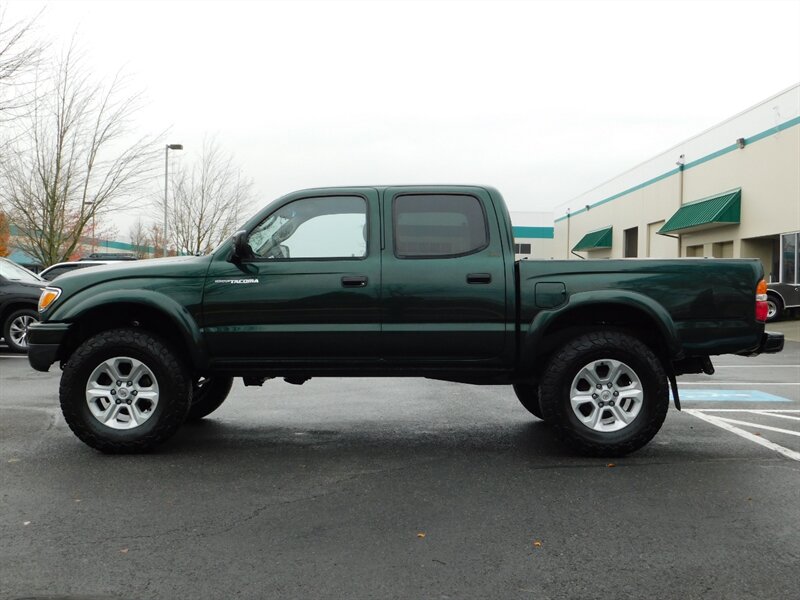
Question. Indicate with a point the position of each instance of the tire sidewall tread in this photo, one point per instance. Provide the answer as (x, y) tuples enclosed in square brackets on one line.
[(528, 396), (174, 383), (557, 381), (209, 397)]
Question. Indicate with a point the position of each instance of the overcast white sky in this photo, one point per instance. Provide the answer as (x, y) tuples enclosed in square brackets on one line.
[(543, 100)]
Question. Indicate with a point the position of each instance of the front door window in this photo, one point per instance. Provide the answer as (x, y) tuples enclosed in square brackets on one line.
[(313, 228)]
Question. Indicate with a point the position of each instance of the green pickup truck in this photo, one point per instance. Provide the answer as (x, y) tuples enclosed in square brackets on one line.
[(411, 281)]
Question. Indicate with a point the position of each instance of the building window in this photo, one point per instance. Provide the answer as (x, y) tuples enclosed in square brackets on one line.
[(789, 255), (631, 245), (722, 250), (436, 226), (694, 251), (522, 248)]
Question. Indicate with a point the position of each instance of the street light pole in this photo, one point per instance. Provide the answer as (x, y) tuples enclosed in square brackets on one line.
[(166, 186)]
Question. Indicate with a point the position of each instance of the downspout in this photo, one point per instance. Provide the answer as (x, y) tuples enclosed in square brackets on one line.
[(680, 163)]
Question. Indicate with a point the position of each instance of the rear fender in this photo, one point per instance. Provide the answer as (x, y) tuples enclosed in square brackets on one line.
[(546, 320)]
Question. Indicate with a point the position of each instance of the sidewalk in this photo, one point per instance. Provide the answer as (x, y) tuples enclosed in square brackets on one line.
[(790, 328)]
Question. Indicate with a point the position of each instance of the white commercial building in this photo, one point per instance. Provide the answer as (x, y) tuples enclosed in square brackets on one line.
[(731, 191), (533, 234)]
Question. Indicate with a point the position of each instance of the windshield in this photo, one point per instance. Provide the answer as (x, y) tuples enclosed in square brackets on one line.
[(13, 272)]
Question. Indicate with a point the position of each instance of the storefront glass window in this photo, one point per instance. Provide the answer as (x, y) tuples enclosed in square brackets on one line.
[(789, 258)]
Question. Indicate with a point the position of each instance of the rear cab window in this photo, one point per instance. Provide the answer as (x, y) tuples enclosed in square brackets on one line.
[(438, 226)]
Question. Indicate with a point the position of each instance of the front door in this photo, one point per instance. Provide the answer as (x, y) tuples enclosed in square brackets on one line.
[(308, 292)]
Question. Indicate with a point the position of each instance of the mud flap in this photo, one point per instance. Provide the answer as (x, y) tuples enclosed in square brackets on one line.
[(673, 384)]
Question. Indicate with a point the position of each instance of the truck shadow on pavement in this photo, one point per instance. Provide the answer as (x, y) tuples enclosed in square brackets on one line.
[(533, 438), (521, 440)]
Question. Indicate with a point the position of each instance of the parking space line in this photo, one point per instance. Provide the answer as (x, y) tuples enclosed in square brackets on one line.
[(757, 366), (720, 422), (750, 410), (776, 415), (759, 383), (760, 426)]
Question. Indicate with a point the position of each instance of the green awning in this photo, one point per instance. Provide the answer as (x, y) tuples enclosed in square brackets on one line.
[(716, 211), (595, 240)]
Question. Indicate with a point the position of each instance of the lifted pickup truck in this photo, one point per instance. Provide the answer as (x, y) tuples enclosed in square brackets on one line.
[(394, 281)]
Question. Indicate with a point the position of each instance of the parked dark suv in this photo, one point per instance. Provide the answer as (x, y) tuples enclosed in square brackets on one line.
[(19, 298)]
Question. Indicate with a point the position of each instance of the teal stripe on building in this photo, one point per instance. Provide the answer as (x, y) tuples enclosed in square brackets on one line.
[(752, 139), (541, 233)]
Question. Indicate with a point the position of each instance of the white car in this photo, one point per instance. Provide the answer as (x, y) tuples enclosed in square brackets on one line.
[(57, 269)]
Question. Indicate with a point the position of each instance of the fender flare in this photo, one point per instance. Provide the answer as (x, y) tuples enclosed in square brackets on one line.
[(80, 304), (778, 294), (656, 312)]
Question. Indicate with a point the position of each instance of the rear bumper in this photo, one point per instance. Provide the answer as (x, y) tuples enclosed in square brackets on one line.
[(771, 342), (44, 342)]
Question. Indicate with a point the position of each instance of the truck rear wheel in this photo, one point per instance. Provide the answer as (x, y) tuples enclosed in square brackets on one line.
[(528, 396), (605, 393), (208, 394), (124, 391)]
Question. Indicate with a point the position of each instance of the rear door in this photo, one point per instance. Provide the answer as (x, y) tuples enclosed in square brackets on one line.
[(444, 278)]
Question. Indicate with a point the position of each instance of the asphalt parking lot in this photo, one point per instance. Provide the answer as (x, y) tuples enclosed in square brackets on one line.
[(392, 488)]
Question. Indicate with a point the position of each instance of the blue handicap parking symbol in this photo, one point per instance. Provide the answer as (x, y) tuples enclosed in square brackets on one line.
[(694, 395)]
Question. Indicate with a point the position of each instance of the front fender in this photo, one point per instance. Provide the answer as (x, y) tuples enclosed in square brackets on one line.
[(81, 304), (545, 319)]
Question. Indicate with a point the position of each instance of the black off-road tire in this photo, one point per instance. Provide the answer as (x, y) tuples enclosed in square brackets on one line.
[(528, 396), (174, 381), (21, 314), (208, 395), (564, 366)]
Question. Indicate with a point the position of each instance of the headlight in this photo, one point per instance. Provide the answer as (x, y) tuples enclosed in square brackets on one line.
[(49, 295)]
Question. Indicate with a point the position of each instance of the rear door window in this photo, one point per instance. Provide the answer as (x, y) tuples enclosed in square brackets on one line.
[(438, 226)]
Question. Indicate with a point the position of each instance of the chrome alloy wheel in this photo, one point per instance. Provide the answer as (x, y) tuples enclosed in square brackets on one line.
[(772, 308), (122, 392), (606, 395), (18, 330)]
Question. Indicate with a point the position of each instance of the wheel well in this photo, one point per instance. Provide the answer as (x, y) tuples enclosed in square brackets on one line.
[(775, 296), (7, 310), (577, 321), (123, 314)]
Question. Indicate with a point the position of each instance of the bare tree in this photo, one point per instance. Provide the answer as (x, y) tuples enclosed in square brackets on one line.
[(155, 239), (207, 201), (5, 234), (19, 54), (73, 161), (140, 239)]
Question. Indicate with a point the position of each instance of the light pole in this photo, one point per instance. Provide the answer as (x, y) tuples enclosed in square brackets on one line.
[(166, 186)]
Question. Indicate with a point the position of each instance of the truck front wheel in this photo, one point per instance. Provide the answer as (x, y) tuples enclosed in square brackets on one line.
[(124, 391), (208, 395), (605, 393)]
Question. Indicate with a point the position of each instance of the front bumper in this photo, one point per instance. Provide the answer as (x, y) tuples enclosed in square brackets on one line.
[(44, 342)]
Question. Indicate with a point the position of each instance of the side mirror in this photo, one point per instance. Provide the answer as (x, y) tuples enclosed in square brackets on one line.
[(241, 249)]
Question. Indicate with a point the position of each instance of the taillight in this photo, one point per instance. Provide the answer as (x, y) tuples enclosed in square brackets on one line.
[(761, 301)]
